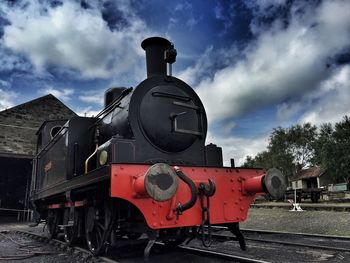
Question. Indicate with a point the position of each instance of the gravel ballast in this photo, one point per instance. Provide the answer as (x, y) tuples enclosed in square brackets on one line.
[(313, 222)]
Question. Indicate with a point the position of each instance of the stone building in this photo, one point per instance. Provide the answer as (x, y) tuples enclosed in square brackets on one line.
[(18, 127)]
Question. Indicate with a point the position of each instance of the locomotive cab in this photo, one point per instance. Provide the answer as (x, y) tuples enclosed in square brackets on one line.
[(47, 131), (63, 147)]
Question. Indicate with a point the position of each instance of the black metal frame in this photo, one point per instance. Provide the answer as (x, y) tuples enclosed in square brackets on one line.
[(82, 181)]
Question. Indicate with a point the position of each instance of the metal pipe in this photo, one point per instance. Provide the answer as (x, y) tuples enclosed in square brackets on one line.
[(139, 185), (182, 207), (273, 183), (88, 159), (254, 184)]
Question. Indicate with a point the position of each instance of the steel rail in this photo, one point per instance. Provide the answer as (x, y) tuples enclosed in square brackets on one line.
[(309, 207), (87, 254), (295, 234), (288, 243), (297, 244), (198, 251), (64, 246), (217, 254), (248, 230)]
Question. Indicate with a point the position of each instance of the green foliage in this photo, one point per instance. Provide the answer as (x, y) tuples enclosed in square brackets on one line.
[(291, 149), (323, 145), (300, 140), (332, 149)]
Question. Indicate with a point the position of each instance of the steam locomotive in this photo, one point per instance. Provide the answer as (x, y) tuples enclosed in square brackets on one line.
[(141, 166)]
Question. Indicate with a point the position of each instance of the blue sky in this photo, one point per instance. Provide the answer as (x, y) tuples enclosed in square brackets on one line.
[(255, 64)]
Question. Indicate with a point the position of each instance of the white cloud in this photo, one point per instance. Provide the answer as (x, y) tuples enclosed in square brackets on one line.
[(226, 19), (238, 147), (329, 103), (182, 15), (62, 94), (93, 96), (4, 84), (270, 3), (9, 61), (282, 63), (332, 100), (7, 97), (191, 74), (227, 128), (287, 110), (285, 67), (183, 6), (191, 22), (87, 112), (207, 64), (76, 38)]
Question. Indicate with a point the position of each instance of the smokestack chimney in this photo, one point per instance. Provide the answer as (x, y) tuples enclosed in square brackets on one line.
[(156, 48)]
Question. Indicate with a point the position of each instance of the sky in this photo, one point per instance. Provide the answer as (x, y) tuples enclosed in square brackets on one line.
[(256, 65)]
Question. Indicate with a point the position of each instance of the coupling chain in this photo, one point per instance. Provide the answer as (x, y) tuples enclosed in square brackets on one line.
[(206, 191)]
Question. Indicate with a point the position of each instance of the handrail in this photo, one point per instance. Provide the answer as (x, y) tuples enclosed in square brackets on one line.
[(88, 159)]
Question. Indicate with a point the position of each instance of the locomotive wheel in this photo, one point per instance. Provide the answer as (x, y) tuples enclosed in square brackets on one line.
[(71, 233), (52, 221), (98, 225)]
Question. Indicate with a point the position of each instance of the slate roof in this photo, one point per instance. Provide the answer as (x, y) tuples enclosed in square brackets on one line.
[(19, 124)]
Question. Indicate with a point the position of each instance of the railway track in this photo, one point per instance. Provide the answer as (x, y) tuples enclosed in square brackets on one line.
[(307, 206), (183, 251), (244, 230), (338, 243), (275, 246), (263, 247), (220, 255), (78, 251)]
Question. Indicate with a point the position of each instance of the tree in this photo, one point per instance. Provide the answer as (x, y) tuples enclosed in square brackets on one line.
[(300, 141), (342, 146), (322, 145), (262, 160), (332, 149), (279, 152), (294, 148), (288, 149), (276, 155), (249, 161)]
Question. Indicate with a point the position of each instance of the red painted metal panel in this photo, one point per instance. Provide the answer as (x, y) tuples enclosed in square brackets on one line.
[(229, 204), (54, 206), (76, 204)]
